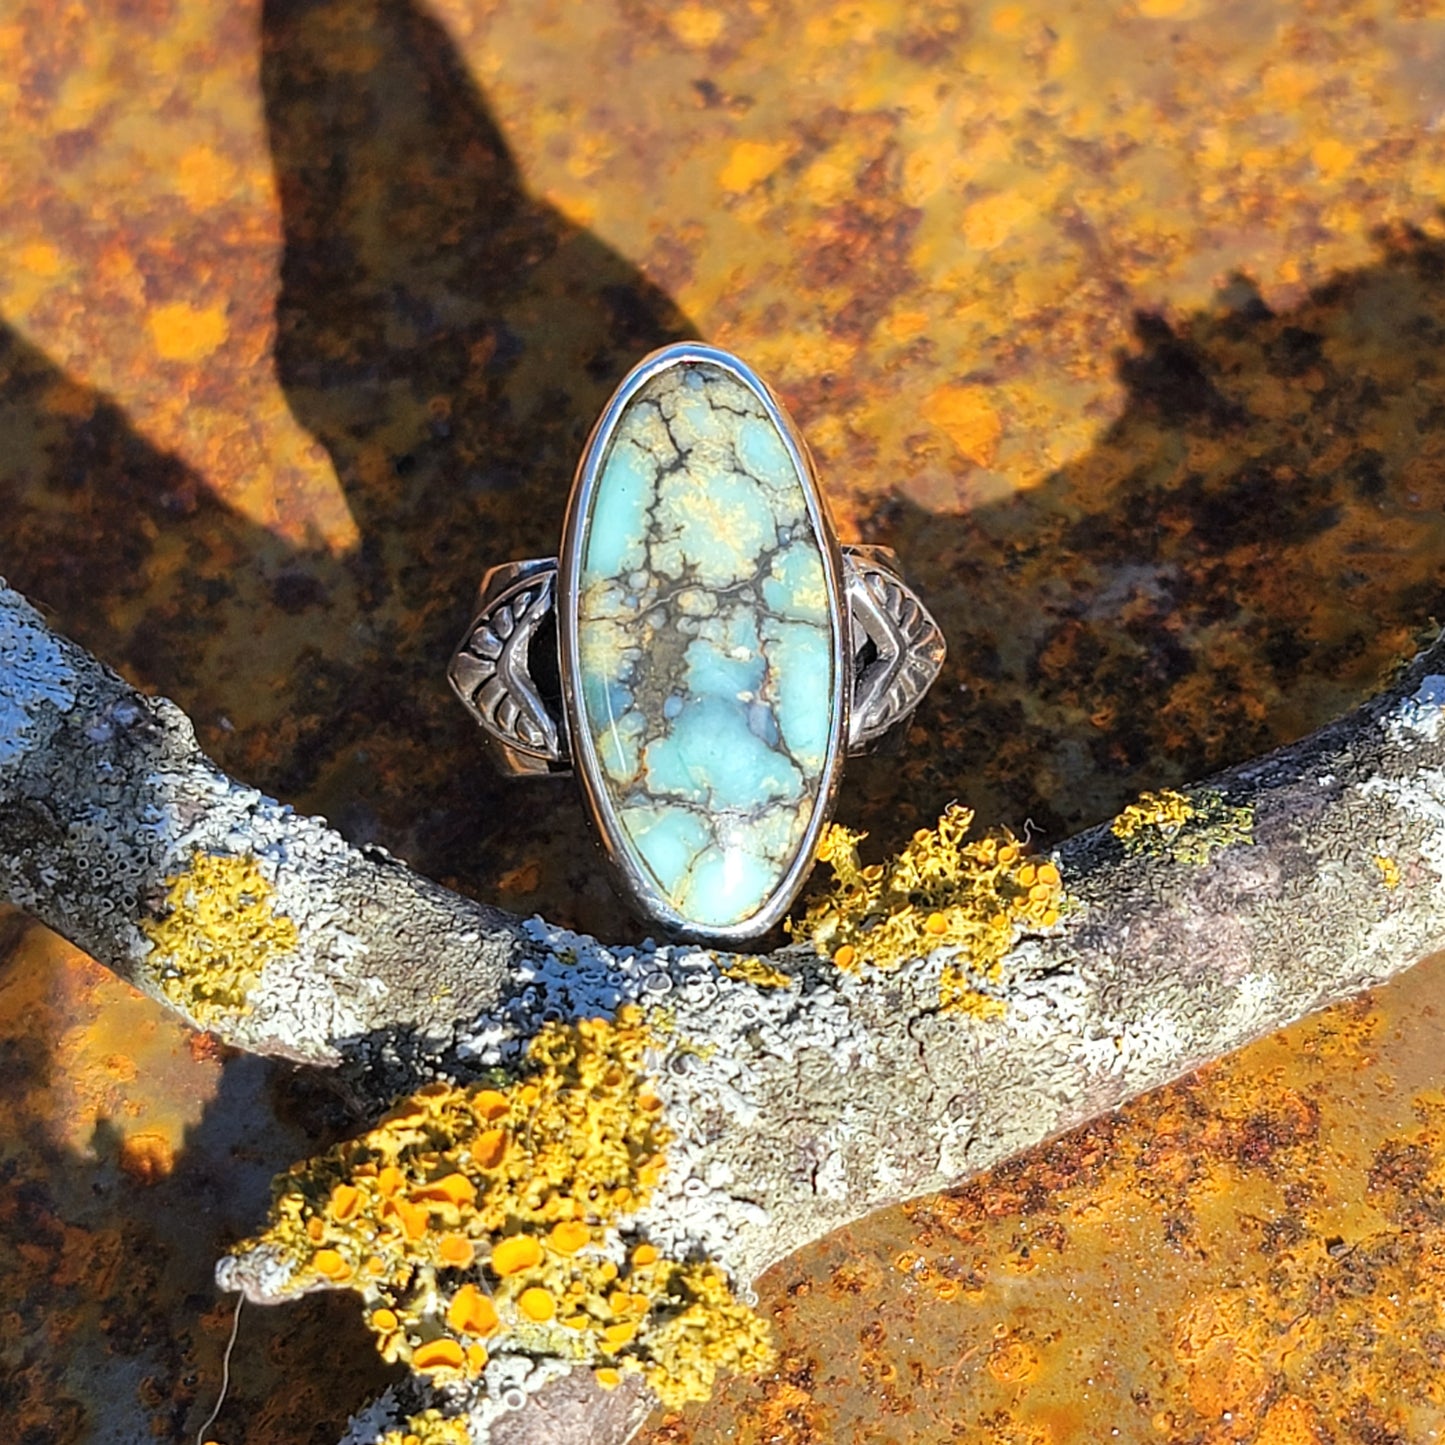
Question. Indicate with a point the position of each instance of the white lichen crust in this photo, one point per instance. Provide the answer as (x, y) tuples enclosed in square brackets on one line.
[(39, 683)]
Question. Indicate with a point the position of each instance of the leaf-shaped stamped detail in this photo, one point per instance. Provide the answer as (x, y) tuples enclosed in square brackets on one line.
[(899, 647), (491, 670)]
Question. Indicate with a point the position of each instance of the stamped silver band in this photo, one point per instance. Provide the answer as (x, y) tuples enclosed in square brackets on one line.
[(897, 655)]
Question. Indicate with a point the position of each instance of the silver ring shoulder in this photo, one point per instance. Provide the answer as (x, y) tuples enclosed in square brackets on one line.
[(898, 648), (491, 670)]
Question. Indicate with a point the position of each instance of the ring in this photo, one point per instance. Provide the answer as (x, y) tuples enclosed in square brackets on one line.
[(701, 652)]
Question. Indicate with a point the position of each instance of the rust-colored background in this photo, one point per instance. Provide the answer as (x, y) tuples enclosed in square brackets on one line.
[(1124, 324)]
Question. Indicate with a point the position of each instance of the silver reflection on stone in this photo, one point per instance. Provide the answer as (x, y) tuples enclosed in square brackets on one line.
[(702, 653)]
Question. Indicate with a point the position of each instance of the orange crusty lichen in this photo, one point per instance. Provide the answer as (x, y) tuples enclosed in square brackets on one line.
[(219, 931), (1188, 828), (940, 891), (476, 1217)]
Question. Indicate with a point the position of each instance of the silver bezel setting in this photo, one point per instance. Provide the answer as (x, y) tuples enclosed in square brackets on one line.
[(635, 881), (887, 652)]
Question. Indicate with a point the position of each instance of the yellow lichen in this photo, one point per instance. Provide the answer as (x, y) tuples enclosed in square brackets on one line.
[(1186, 828), (1389, 872), (456, 1250), (539, 1304), (704, 1327), (431, 1427), (511, 1256), (439, 1354), (940, 891), (501, 1214), (568, 1236), (472, 1313), (1166, 812), (345, 1199), (329, 1263), (218, 932), (758, 973)]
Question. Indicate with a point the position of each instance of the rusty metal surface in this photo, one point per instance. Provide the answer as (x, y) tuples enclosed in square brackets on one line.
[(1121, 323), (129, 1150)]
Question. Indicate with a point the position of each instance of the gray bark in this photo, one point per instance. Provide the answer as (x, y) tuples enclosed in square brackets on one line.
[(815, 1103)]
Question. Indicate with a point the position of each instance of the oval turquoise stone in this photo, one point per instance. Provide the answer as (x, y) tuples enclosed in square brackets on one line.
[(706, 645)]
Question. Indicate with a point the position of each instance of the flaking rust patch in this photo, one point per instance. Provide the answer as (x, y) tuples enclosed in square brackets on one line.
[(219, 931), (1187, 827), (974, 898)]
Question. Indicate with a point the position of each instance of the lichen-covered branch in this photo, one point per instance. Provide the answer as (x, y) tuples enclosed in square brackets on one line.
[(603, 1146), (252, 921)]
